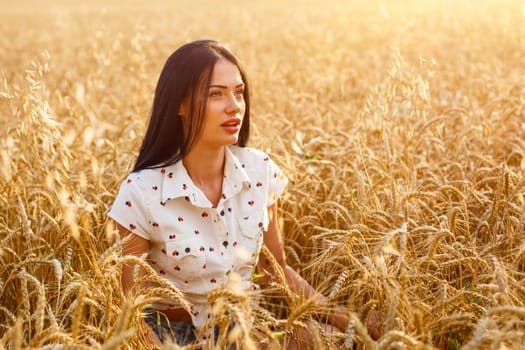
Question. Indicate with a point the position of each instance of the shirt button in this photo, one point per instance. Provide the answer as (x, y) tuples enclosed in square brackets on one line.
[(225, 244), (187, 250)]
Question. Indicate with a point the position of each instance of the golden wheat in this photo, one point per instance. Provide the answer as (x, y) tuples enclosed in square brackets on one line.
[(399, 125)]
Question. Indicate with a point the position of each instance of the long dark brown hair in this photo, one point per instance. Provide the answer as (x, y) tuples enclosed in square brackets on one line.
[(185, 78)]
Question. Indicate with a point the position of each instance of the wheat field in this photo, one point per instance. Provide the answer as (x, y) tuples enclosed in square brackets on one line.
[(400, 124)]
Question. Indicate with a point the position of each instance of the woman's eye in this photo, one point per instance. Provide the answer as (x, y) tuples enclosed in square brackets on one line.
[(215, 93), (239, 92)]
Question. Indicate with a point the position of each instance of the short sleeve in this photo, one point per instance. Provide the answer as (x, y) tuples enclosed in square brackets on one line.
[(129, 208), (277, 182)]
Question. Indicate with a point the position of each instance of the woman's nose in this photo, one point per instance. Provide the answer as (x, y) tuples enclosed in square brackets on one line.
[(235, 103)]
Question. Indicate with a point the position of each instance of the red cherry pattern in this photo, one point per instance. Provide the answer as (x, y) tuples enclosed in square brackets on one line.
[(204, 214)]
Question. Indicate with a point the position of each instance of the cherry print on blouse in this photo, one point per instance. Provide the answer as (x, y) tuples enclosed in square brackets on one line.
[(197, 232), (155, 224), (230, 210), (251, 202), (180, 218), (129, 181), (154, 188), (162, 272), (186, 281), (176, 268), (213, 280), (162, 171), (223, 196), (128, 203), (175, 253), (172, 236), (202, 249), (204, 266), (163, 203), (184, 187), (246, 217), (259, 184), (205, 214), (235, 244), (265, 159), (170, 176), (212, 249), (132, 227), (163, 251)]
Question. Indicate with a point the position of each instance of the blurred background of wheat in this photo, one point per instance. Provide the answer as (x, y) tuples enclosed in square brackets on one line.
[(400, 124)]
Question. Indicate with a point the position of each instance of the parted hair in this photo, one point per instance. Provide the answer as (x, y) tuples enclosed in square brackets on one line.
[(185, 79)]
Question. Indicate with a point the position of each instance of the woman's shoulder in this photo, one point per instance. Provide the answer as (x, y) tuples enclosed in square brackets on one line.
[(145, 176), (249, 154), (143, 180)]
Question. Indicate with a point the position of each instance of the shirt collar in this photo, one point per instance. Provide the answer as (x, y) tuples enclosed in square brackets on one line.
[(177, 182)]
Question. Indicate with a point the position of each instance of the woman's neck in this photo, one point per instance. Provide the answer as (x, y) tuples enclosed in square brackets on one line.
[(205, 166)]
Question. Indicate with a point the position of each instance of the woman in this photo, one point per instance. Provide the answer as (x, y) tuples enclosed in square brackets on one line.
[(198, 202)]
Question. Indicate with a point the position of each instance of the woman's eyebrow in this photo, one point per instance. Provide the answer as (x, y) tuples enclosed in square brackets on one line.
[(223, 86)]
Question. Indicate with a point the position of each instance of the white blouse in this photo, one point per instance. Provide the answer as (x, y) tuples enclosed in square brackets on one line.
[(193, 244)]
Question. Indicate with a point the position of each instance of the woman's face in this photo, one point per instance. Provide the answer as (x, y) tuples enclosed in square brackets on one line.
[(225, 106)]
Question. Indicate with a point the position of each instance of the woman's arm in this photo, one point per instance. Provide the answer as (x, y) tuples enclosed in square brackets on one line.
[(137, 246), (273, 241)]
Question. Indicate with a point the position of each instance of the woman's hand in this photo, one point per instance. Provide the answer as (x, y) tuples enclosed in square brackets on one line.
[(374, 324)]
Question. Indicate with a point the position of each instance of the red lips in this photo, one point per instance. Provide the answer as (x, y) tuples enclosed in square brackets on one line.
[(232, 122)]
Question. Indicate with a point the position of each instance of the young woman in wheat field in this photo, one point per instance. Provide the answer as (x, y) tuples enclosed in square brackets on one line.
[(199, 204)]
